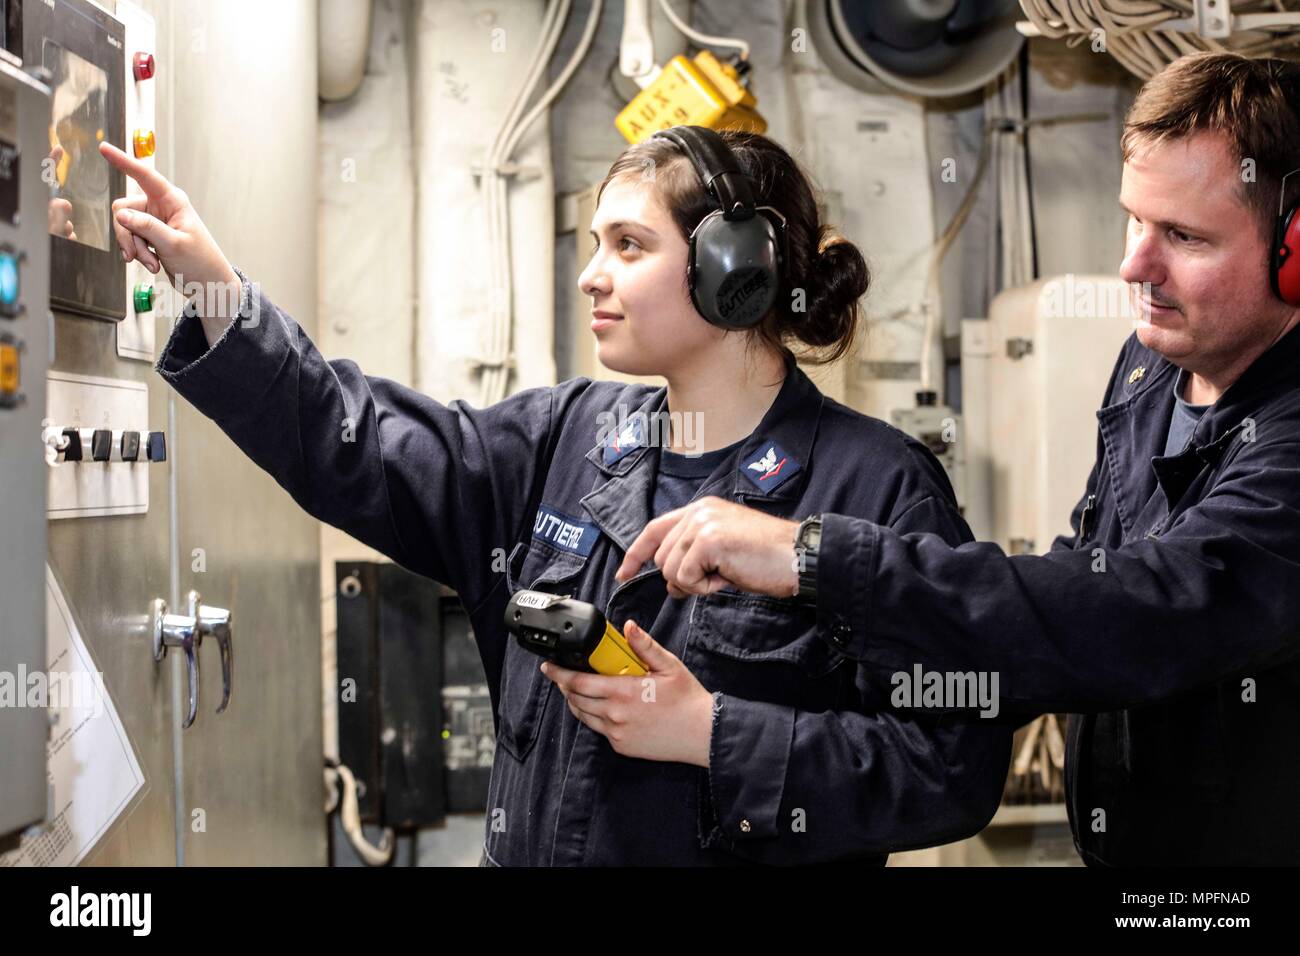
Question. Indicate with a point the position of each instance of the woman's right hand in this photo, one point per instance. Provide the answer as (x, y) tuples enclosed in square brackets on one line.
[(164, 219)]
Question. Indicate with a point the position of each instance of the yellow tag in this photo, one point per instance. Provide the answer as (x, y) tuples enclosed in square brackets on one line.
[(703, 92), (1136, 374)]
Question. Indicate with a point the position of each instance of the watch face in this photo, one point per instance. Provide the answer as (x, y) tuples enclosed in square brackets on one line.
[(813, 539)]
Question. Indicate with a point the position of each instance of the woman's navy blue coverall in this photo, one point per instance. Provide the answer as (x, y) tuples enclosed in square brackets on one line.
[(808, 761)]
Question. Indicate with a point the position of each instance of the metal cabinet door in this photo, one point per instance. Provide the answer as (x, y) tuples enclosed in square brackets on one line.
[(252, 777)]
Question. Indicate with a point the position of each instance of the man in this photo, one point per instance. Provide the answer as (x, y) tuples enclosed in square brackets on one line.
[(1169, 622)]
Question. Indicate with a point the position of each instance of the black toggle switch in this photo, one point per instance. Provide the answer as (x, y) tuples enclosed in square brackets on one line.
[(156, 449), (73, 451), (101, 444), (130, 446)]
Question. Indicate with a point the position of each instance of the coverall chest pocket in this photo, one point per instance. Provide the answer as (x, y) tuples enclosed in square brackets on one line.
[(525, 691), (766, 649)]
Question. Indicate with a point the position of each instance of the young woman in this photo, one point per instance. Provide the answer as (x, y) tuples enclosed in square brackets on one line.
[(752, 739)]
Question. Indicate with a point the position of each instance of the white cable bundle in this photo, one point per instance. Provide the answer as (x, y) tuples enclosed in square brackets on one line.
[(497, 167), (1130, 29), (496, 375)]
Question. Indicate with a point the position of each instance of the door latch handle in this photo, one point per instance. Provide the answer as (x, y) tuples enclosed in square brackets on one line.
[(178, 630), (215, 622), (187, 631)]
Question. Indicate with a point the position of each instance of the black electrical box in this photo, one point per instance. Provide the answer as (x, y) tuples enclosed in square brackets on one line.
[(414, 715)]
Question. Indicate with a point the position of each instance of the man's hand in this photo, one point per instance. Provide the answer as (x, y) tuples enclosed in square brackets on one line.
[(711, 543)]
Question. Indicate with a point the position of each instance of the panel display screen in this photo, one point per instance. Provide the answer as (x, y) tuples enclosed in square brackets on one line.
[(79, 50), (80, 201)]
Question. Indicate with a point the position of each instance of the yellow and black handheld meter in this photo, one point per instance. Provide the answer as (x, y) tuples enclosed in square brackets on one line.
[(572, 633)]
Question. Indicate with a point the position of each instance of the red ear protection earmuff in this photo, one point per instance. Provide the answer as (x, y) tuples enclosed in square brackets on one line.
[(1285, 271), (1284, 260)]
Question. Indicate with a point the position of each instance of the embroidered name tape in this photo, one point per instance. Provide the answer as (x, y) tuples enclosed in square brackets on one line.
[(771, 469), (561, 531)]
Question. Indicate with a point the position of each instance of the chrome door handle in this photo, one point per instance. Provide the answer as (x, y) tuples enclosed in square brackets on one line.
[(178, 630), (215, 622), (187, 631)]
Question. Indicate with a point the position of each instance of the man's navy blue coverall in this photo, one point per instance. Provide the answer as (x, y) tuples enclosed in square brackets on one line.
[(1169, 621)]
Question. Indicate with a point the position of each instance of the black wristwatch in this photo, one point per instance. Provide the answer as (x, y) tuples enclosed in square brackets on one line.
[(807, 545)]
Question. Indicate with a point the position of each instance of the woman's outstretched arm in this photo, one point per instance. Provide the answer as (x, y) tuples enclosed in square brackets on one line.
[(442, 489)]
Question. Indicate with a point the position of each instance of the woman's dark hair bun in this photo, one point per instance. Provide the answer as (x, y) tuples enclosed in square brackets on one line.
[(837, 279)]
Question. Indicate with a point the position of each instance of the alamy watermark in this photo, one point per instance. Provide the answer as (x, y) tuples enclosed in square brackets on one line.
[(1083, 297), (129, 910), (56, 690), (652, 429), (960, 690), (222, 298)]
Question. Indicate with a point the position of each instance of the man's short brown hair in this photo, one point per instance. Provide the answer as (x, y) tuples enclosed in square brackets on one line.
[(1252, 102)]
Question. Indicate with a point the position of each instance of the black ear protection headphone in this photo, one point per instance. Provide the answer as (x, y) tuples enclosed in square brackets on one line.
[(1284, 265), (737, 252)]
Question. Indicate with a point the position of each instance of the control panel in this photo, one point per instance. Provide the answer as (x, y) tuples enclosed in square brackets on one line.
[(72, 76), (101, 69), (99, 446), (24, 357)]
